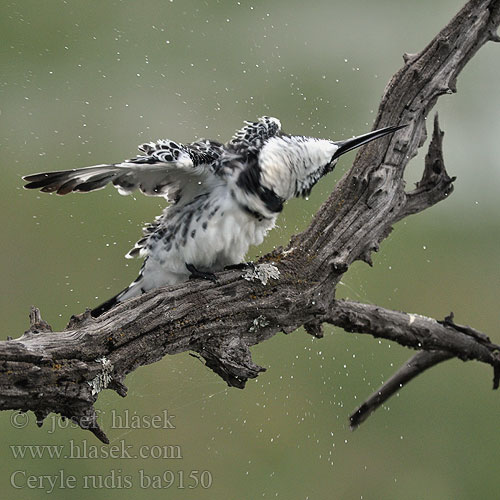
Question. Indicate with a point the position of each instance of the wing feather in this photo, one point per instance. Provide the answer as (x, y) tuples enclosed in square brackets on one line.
[(165, 169)]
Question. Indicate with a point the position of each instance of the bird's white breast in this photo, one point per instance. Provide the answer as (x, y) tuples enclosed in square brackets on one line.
[(219, 234)]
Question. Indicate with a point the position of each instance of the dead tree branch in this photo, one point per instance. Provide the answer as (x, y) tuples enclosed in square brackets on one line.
[(64, 372)]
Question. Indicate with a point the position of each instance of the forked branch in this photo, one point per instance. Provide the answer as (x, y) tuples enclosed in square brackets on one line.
[(64, 372)]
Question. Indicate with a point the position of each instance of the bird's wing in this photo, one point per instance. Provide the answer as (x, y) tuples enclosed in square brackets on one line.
[(253, 135), (164, 169), (139, 249)]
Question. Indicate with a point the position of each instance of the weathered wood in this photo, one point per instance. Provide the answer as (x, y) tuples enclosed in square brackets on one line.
[(64, 372)]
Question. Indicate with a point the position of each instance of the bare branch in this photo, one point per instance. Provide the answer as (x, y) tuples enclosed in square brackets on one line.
[(64, 372), (435, 184), (419, 363), (441, 340), (414, 330)]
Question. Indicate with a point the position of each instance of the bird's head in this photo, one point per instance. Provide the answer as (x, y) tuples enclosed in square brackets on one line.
[(290, 166)]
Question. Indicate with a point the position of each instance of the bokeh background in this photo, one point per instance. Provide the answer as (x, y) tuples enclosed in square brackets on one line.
[(85, 82)]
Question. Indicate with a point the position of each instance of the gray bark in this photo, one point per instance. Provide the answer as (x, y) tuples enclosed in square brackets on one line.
[(63, 372)]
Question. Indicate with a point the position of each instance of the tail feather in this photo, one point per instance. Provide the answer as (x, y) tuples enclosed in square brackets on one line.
[(106, 306), (133, 290)]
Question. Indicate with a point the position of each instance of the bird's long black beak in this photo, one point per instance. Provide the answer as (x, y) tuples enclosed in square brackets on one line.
[(356, 142)]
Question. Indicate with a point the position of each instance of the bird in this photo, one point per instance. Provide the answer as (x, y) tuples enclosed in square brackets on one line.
[(222, 197)]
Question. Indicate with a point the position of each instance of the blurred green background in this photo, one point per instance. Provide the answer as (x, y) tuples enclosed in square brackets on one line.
[(85, 82)]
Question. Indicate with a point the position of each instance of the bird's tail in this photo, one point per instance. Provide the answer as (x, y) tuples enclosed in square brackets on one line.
[(110, 303), (106, 306), (133, 290)]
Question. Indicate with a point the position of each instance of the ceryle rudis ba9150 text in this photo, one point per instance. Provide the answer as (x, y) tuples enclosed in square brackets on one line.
[(223, 197)]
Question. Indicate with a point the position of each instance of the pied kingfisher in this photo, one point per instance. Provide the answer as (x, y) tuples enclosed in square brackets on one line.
[(223, 197)]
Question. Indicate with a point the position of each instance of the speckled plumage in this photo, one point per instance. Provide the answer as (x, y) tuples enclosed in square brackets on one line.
[(223, 197)]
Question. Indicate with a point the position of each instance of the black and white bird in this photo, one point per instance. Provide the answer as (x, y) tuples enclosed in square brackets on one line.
[(223, 197)]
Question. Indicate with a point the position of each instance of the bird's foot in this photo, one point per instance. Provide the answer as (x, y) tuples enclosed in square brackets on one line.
[(195, 274), (241, 266)]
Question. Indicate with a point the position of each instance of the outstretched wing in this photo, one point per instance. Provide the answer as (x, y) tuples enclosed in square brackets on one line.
[(250, 139), (165, 169)]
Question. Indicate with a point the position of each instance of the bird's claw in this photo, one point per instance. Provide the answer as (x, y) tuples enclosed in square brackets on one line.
[(196, 274), (241, 266)]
